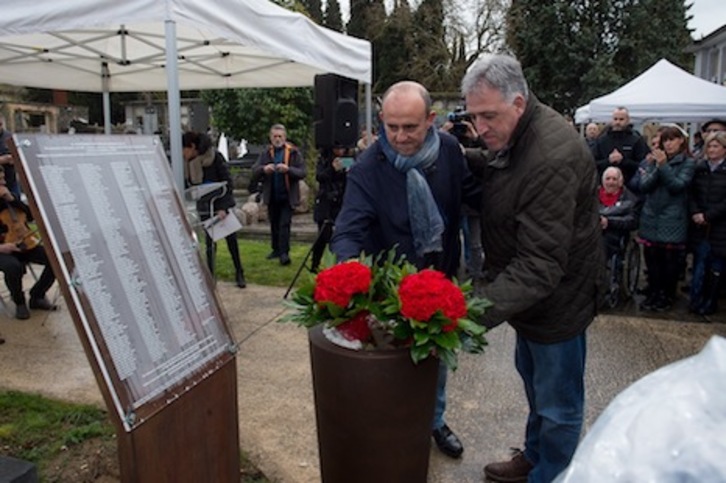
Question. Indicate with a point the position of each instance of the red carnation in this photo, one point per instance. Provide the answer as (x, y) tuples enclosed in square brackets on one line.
[(339, 283), (356, 328), (424, 293)]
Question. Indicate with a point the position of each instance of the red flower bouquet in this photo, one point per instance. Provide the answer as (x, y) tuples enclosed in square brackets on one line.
[(385, 303)]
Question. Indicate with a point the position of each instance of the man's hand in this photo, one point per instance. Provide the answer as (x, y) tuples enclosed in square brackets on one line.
[(6, 159), (471, 133), (221, 214), (699, 219), (282, 168), (269, 168), (9, 248), (615, 156), (6, 194)]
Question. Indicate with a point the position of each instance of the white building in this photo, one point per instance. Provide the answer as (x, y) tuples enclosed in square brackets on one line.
[(710, 56)]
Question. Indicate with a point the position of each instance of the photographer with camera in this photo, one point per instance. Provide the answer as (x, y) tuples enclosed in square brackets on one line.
[(330, 173), (458, 123)]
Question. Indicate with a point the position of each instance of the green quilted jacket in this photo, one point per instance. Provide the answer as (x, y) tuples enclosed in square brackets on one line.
[(541, 231), (664, 218)]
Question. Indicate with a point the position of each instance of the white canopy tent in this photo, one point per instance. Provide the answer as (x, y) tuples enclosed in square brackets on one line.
[(156, 45), (663, 93)]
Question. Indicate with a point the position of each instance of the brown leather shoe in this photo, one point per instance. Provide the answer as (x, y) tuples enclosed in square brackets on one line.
[(513, 471)]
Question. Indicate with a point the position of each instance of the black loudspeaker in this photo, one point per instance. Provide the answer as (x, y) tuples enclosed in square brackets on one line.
[(335, 117)]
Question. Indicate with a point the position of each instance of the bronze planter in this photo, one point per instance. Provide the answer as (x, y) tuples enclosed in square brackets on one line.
[(374, 411)]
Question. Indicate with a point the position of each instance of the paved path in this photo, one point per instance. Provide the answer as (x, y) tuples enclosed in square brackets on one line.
[(276, 415)]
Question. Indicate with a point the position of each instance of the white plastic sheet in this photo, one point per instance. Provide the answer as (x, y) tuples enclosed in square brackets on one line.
[(670, 426)]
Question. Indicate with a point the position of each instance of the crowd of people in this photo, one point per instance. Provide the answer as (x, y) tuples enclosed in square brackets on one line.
[(671, 201), (544, 208), (549, 211), (409, 189)]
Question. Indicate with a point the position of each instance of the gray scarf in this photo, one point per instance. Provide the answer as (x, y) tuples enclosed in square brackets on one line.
[(427, 225)]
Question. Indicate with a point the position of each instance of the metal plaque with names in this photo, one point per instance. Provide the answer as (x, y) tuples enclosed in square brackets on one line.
[(117, 233)]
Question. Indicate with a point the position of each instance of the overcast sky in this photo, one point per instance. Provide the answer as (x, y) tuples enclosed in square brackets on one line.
[(708, 15)]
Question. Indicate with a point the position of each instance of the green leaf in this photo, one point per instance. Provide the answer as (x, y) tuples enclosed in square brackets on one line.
[(420, 337), (448, 340), (471, 327), (449, 358), (419, 353)]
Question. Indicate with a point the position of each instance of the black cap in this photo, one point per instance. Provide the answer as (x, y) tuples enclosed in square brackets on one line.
[(713, 121)]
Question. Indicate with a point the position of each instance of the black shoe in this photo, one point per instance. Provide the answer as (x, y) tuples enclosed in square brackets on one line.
[(447, 442), (649, 303), (241, 283), (22, 312), (42, 303), (284, 259), (272, 255), (663, 304)]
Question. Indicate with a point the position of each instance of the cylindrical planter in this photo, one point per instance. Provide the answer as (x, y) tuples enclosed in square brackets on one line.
[(374, 411)]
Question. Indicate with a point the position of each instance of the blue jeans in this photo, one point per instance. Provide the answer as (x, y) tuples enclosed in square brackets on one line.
[(703, 261), (553, 376), (440, 397)]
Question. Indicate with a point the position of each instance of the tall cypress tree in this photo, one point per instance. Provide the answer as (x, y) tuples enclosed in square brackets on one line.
[(358, 18), (430, 66), (367, 20), (395, 48), (332, 17), (651, 30), (574, 50), (314, 9), (534, 33)]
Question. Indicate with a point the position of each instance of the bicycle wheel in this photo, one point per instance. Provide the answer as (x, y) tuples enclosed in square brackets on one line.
[(612, 299), (632, 268)]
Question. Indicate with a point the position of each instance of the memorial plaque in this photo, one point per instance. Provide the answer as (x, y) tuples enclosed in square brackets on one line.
[(124, 253)]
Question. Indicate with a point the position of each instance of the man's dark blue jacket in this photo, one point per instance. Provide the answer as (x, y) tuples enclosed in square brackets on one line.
[(374, 216)]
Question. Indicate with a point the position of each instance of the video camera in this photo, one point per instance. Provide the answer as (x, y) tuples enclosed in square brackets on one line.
[(459, 129)]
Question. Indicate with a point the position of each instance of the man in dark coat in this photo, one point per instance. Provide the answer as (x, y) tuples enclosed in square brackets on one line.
[(406, 191), (330, 173), (280, 167), (544, 262), (620, 146)]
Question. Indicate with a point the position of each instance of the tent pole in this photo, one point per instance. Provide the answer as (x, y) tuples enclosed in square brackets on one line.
[(174, 101), (105, 80), (369, 113)]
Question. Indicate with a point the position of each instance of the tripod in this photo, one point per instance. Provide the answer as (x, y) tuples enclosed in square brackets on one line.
[(318, 246)]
